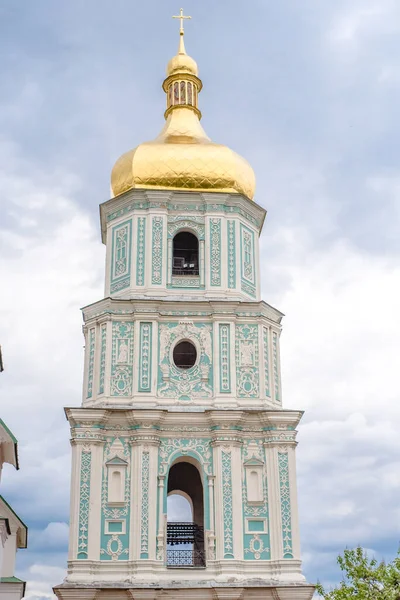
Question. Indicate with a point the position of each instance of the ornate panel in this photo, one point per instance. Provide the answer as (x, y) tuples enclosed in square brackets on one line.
[(286, 515), (185, 282), (231, 254), (121, 251), (215, 252), (145, 354), (226, 459), (247, 361), (115, 544), (224, 359), (255, 516), (103, 348), (276, 368), (144, 527), (247, 261), (192, 222), (266, 361), (92, 345), (84, 503), (143, 204), (122, 359), (157, 251), (189, 384), (140, 251)]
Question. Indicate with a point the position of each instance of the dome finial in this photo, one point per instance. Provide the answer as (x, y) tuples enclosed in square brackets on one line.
[(181, 16)]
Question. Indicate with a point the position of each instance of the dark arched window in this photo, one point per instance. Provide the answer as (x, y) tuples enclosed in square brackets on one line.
[(185, 524), (185, 259)]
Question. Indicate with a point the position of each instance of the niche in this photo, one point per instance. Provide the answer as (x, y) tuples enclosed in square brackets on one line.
[(116, 476), (254, 472)]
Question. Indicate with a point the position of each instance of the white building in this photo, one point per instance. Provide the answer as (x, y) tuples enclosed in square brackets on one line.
[(13, 532), (182, 387)]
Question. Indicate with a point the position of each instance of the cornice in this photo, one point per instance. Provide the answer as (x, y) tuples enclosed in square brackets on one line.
[(179, 201), (271, 425), (195, 309)]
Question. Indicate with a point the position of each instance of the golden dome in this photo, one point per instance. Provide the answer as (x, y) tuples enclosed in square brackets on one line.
[(183, 157)]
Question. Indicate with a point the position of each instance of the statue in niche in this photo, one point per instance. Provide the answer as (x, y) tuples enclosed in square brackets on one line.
[(123, 352), (247, 354)]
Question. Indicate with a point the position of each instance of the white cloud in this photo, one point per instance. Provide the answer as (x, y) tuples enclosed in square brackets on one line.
[(50, 262), (340, 348), (38, 582)]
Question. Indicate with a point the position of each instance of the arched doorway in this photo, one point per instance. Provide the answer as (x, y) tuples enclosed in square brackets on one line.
[(185, 258), (185, 517)]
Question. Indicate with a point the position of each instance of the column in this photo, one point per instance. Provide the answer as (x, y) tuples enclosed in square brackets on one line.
[(96, 475), (228, 500), (201, 262), (169, 261)]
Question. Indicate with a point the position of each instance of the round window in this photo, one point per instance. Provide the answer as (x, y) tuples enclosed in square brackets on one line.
[(185, 355)]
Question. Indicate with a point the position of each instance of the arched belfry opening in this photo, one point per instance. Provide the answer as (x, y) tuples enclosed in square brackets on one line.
[(185, 518), (185, 259)]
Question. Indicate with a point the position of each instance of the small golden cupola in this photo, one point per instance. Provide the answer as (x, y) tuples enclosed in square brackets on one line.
[(183, 157)]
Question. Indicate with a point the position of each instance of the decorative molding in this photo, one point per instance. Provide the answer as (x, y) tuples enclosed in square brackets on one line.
[(276, 368), (256, 544), (231, 254), (224, 359), (227, 502), (103, 348), (286, 515), (194, 223), (247, 261), (215, 252), (247, 361), (92, 346), (115, 546), (171, 447), (185, 282), (266, 361), (144, 527), (84, 503), (145, 357), (157, 251), (193, 383), (121, 251), (140, 251), (122, 358), (201, 209)]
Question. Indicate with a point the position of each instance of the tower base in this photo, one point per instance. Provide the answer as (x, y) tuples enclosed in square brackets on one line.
[(249, 590)]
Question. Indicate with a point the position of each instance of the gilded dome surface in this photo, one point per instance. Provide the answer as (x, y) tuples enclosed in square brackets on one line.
[(183, 157)]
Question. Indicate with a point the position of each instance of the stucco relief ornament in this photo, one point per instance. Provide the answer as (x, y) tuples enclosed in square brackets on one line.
[(123, 352), (194, 382), (114, 548), (256, 546), (247, 354)]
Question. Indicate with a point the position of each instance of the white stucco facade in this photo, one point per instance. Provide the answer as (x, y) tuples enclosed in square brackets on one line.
[(215, 431)]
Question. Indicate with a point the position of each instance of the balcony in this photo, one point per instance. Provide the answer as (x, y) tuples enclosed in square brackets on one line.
[(185, 534)]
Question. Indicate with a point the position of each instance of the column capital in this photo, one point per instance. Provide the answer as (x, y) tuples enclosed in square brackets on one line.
[(87, 441), (144, 440)]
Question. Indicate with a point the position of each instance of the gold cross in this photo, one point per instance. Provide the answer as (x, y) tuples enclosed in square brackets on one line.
[(181, 16)]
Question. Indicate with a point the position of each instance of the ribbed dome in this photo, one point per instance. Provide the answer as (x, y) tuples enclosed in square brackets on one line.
[(183, 157)]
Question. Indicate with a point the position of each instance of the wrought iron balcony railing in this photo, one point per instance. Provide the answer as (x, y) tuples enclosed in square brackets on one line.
[(185, 558), (185, 534)]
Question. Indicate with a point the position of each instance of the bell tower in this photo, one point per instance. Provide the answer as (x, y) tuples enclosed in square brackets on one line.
[(182, 387)]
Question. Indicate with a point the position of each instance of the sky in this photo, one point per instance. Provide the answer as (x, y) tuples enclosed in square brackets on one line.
[(308, 92)]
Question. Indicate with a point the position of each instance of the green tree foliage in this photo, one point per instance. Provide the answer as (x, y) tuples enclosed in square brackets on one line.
[(365, 578)]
